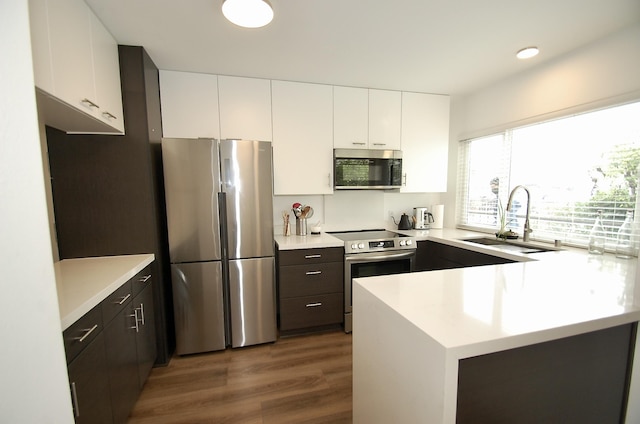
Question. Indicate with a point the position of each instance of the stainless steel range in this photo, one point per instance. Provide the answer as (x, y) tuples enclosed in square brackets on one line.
[(373, 252)]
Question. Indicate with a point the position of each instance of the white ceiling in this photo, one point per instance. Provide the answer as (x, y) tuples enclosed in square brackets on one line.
[(434, 46)]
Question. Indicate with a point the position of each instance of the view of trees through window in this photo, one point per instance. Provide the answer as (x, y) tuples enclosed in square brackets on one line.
[(572, 167)]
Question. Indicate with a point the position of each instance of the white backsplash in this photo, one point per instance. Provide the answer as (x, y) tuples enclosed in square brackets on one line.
[(354, 209)]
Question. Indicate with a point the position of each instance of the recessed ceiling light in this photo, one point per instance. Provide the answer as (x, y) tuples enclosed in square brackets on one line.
[(248, 13), (527, 52)]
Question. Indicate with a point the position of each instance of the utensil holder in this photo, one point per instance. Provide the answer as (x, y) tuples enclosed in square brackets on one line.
[(301, 226)]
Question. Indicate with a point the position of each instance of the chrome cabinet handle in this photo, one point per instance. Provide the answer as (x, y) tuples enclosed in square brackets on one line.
[(108, 115), (74, 399), (124, 299), (85, 335), (135, 317), (379, 144), (313, 305), (312, 256), (404, 183), (90, 103), (313, 272), (359, 143), (145, 278), (141, 309)]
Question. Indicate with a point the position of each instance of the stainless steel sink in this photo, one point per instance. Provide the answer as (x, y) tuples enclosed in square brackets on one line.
[(512, 246)]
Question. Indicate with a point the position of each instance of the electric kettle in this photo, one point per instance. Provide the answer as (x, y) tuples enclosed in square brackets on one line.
[(405, 222), (423, 218)]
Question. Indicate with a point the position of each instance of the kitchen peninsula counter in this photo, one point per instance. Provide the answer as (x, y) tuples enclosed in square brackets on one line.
[(83, 283), (411, 331)]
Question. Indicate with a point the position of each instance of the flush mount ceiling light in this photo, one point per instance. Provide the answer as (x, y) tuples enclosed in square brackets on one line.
[(527, 52), (248, 13)]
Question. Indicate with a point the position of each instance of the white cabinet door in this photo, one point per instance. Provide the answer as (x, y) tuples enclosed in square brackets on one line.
[(302, 138), (350, 118), (106, 67), (384, 119), (189, 104), (425, 142), (71, 57), (245, 108), (43, 74)]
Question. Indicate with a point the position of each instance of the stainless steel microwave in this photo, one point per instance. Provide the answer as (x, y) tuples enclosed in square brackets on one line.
[(367, 169)]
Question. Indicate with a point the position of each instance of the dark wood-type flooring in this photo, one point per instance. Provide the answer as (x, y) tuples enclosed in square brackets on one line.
[(302, 379)]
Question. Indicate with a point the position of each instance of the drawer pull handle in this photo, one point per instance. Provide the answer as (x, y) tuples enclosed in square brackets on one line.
[(312, 256), (74, 398), (313, 305), (145, 278), (124, 299), (85, 335), (313, 272)]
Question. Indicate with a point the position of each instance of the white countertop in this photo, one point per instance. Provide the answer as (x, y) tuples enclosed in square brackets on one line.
[(310, 241), (477, 310), (83, 283)]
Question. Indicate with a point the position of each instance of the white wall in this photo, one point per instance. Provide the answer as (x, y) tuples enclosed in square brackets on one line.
[(354, 209), (597, 75), (33, 378)]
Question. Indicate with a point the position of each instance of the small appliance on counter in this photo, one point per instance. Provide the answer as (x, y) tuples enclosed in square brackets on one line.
[(405, 223), (422, 218)]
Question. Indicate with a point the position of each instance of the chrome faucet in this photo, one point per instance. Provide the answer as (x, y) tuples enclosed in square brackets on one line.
[(527, 228)]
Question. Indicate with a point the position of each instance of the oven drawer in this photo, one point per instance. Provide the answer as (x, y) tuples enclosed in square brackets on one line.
[(306, 280), (310, 256), (311, 311)]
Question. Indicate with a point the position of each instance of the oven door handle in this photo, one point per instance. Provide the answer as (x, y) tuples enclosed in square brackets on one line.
[(362, 258)]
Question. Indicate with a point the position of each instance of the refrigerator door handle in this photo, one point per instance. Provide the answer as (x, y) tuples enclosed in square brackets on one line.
[(224, 243)]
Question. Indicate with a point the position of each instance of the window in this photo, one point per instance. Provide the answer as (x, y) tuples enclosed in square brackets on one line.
[(572, 167)]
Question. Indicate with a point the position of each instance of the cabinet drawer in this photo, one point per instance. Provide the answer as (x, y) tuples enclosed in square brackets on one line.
[(311, 311), (309, 256), (311, 279), (82, 332), (141, 280), (116, 302)]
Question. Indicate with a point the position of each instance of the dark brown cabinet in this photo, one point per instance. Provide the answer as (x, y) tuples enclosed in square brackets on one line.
[(431, 256), (89, 381), (310, 289), (110, 352)]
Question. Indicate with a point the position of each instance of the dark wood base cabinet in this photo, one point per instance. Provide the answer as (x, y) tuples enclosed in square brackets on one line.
[(110, 352), (431, 256), (310, 289)]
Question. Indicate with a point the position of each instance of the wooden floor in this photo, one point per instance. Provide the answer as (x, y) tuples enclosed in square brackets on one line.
[(302, 379)]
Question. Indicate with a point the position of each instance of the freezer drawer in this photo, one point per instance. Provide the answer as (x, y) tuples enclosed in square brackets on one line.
[(252, 301), (198, 307)]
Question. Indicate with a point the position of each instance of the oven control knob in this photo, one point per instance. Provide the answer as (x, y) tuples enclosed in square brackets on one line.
[(354, 246), (409, 242), (402, 243), (361, 246)]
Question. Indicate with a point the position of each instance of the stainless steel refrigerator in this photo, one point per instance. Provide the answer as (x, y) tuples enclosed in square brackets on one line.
[(220, 220)]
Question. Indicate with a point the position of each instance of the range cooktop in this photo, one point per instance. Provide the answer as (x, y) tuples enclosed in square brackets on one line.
[(363, 241)]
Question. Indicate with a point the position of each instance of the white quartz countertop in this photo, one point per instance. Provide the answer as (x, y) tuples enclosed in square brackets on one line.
[(310, 241), (478, 310), (83, 283)]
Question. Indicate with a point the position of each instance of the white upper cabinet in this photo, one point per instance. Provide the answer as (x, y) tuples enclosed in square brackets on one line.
[(366, 118), (245, 108), (425, 142), (302, 138), (106, 65), (384, 119), (350, 118), (76, 64), (189, 104)]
